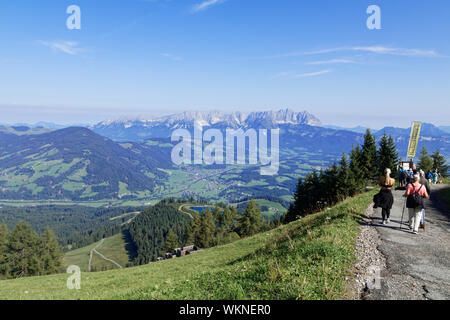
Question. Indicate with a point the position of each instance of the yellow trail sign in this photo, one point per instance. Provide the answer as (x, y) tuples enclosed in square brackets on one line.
[(414, 139)]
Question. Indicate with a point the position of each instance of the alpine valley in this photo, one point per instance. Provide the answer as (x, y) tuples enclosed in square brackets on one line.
[(127, 161)]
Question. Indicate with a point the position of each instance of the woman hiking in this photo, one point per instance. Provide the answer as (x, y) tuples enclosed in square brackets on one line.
[(415, 192), (386, 200)]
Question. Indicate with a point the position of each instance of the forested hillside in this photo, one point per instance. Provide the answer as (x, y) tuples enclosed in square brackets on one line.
[(76, 164), (74, 226)]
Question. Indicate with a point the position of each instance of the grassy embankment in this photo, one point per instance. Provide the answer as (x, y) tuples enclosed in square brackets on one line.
[(307, 259), (445, 193)]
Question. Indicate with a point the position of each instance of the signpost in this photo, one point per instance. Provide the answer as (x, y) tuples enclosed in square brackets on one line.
[(414, 139)]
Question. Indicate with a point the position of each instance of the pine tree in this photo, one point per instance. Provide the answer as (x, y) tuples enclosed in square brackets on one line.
[(440, 163), (368, 159), (171, 242), (297, 209), (344, 183), (51, 254), (218, 218), (356, 169), (3, 250), (425, 161), (207, 229), (229, 219), (23, 251), (251, 221), (194, 229), (387, 154)]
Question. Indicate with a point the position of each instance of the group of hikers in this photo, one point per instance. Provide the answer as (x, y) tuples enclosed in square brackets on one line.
[(405, 177), (417, 188)]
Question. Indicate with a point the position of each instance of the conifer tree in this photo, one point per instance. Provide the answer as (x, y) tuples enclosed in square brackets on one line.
[(440, 163), (387, 155), (229, 219), (51, 254), (194, 229), (23, 251), (368, 159), (207, 229), (171, 242), (251, 221), (356, 169), (3, 250), (344, 183), (425, 161)]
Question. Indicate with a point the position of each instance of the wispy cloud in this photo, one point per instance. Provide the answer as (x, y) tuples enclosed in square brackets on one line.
[(331, 61), (378, 50), (171, 56), (69, 47), (399, 51), (205, 5), (292, 75)]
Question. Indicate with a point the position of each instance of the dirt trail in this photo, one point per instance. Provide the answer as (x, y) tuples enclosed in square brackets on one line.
[(94, 250)]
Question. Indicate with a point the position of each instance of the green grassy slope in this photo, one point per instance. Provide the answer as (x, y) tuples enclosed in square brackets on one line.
[(113, 248), (307, 259)]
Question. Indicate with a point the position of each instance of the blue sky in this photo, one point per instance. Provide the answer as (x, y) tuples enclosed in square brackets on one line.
[(139, 57)]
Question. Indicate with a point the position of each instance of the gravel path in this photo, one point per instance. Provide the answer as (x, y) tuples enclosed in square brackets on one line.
[(370, 260), (417, 266)]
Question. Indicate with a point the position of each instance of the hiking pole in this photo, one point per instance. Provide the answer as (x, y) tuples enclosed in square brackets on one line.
[(403, 212)]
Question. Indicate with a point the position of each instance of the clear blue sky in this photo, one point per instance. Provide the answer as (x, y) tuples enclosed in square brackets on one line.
[(135, 57)]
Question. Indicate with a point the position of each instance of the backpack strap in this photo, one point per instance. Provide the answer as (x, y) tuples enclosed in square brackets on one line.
[(414, 188)]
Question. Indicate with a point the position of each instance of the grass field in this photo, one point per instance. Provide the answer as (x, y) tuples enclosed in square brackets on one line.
[(307, 259), (113, 248)]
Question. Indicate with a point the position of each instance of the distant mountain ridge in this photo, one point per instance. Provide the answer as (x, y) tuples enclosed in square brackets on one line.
[(138, 129), (77, 164)]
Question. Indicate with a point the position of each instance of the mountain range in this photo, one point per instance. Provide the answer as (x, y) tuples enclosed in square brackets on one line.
[(139, 129), (131, 158)]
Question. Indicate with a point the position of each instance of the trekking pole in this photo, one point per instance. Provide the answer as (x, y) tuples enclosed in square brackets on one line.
[(403, 212)]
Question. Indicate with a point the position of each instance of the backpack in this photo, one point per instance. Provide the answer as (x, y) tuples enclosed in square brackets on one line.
[(404, 175), (415, 200)]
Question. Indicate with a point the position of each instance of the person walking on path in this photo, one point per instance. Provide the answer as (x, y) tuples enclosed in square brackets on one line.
[(415, 192), (424, 181), (435, 177), (386, 200)]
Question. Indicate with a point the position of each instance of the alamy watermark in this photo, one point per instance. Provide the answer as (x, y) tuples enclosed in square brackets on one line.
[(73, 22), (74, 281), (373, 278), (374, 20), (209, 147)]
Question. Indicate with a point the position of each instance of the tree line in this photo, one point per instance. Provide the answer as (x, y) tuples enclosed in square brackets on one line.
[(434, 162), (23, 253), (224, 225), (326, 187), (74, 226), (163, 228)]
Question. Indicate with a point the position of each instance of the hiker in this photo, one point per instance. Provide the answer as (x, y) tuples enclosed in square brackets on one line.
[(423, 181), (404, 179), (435, 177), (415, 192), (386, 200), (429, 176), (409, 176)]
